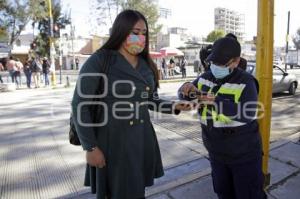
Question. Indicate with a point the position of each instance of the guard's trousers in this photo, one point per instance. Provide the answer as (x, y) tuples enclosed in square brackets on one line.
[(239, 180)]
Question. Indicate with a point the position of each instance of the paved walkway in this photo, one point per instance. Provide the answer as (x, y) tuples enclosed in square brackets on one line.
[(36, 160)]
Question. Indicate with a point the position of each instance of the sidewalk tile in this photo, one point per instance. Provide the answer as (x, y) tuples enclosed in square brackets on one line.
[(200, 189), (178, 172), (161, 196), (288, 153), (289, 190), (270, 196), (177, 176), (173, 152), (279, 170)]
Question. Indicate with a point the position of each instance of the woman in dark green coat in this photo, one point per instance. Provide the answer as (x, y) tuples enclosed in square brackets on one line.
[(122, 152)]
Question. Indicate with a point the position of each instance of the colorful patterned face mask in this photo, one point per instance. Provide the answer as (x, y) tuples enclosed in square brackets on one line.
[(135, 44)]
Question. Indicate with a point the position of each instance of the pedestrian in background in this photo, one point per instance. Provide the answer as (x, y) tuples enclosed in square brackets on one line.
[(77, 63), (164, 68), (167, 69), (171, 67), (28, 73), (36, 71), (183, 67), (46, 70), (228, 120), (11, 67), (17, 73), (1, 69), (123, 155)]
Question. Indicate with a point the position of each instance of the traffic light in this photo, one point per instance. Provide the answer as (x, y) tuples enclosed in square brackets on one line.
[(56, 31)]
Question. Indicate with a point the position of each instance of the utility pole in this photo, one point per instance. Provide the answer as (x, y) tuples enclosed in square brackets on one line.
[(52, 49), (60, 57), (287, 40), (72, 34), (264, 74), (72, 37)]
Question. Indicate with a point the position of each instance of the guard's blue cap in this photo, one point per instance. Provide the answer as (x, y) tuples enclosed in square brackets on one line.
[(223, 50)]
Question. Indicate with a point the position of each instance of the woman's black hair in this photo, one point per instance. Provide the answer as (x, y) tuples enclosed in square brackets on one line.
[(121, 28)]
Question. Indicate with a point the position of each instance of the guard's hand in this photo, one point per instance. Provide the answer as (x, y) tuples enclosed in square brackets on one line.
[(187, 88), (95, 158), (185, 105), (209, 98)]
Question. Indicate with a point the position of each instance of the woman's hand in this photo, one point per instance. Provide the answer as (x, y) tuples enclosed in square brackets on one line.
[(95, 158), (184, 105)]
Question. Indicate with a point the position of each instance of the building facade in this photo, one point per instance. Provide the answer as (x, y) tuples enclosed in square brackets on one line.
[(175, 37), (230, 22)]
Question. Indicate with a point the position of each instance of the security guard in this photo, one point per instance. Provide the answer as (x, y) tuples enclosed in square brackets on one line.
[(230, 133)]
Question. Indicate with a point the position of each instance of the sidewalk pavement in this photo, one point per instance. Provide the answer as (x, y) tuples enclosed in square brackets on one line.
[(284, 166), (36, 160), (192, 180)]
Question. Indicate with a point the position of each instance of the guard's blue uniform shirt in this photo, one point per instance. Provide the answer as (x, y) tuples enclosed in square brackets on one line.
[(229, 127)]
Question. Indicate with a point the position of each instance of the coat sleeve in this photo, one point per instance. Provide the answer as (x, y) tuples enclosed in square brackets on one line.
[(160, 105), (87, 84)]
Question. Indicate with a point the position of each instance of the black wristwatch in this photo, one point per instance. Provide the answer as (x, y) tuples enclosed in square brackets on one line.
[(91, 149)]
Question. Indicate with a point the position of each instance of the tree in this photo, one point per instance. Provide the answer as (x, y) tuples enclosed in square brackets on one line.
[(39, 11), (3, 35), (14, 16), (296, 39), (214, 35), (108, 10)]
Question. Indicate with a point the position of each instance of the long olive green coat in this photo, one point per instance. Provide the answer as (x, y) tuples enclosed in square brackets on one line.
[(130, 145)]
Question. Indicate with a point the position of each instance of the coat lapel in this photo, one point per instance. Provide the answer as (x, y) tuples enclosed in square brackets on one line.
[(125, 67)]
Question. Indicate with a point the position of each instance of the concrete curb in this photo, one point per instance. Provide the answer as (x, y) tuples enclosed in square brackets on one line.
[(177, 80)]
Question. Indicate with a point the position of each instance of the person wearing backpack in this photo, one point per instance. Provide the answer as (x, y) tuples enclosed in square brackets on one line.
[(228, 103), (122, 152)]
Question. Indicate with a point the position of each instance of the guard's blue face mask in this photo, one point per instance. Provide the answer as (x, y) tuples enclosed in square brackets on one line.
[(218, 71)]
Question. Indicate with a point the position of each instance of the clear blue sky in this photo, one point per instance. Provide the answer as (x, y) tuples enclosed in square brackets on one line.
[(200, 15)]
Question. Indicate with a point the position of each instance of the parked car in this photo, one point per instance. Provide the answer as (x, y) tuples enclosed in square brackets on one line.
[(282, 81)]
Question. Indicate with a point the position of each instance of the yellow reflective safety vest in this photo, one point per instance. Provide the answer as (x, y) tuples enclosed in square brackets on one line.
[(228, 108), (229, 127)]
